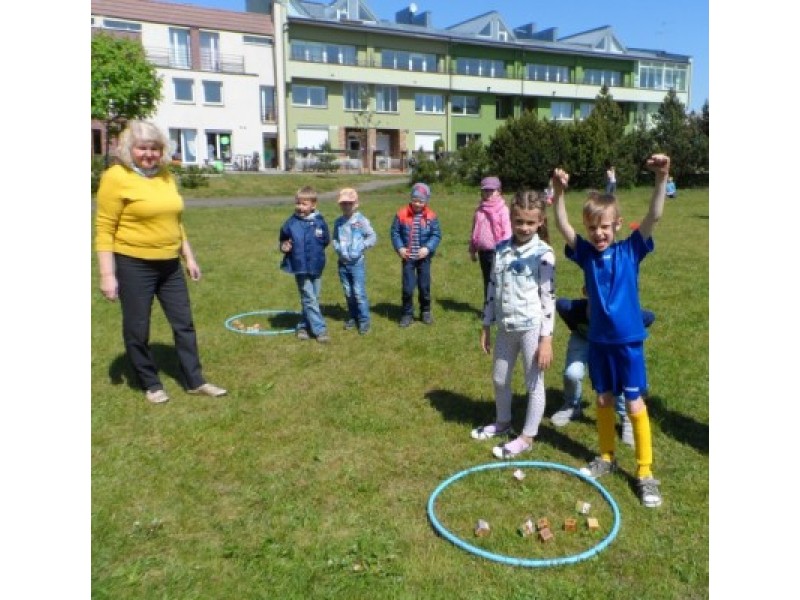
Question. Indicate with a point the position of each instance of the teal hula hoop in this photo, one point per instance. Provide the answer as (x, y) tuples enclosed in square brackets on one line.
[(524, 562), (260, 331)]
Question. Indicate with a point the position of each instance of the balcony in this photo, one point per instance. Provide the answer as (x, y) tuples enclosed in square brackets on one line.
[(209, 62)]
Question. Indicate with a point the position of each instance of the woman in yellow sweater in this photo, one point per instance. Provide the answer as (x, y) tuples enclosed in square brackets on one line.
[(140, 240)]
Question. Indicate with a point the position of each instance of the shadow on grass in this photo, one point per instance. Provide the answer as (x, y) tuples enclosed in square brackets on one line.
[(678, 426), (461, 409), (458, 306), (391, 312), (120, 371)]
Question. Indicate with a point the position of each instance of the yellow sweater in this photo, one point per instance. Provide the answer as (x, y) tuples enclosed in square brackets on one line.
[(139, 216)]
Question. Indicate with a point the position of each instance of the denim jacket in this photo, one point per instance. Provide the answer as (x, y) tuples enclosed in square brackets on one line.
[(352, 237)]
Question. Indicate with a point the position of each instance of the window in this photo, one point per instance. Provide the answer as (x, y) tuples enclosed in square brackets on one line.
[(218, 146), (212, 92), (602, 77), (503, 107), (465, 105), (386, 98), (356, 96), (425, 140), (267, 96), (256, 40), (210, 58), (121, 25), (184, 90), (586, 109), (547, 73), (662, 76), (408, 61), (179, 50), (561, 111), (429, 103), (323, 53), (309, 95), (312, 138), (184, 144), (480, 67), (465, 139)]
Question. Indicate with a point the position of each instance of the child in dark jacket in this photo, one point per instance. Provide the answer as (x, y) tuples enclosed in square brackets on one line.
[(416, 234), (303, 239)]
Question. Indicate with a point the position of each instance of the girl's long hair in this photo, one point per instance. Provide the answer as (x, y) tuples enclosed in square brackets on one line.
[(531, 200)]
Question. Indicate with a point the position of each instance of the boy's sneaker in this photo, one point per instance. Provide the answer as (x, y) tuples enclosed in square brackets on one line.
[(302, 334), (406, 320), (627, 432), (599, 467), (512, 448), (427, 318), (565, 414), (489, 431), (363, 329), (649, 493), (350, 324), (323, 338)]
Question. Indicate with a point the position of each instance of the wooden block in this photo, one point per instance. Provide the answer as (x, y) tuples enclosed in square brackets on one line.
[(593, 524), (527, 528), (543, 523), (582, 507), (482, 528), (570, 524), (545, 534)]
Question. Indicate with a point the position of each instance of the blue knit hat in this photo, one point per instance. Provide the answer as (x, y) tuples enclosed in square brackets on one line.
[(420, 191)]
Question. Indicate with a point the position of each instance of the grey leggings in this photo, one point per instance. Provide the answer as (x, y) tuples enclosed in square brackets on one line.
[(506, 349)]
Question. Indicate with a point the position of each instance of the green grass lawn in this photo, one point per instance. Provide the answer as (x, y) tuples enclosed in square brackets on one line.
[(311, 479)]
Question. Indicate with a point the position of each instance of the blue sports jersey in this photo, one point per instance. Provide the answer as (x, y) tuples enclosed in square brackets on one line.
[(611, 278)]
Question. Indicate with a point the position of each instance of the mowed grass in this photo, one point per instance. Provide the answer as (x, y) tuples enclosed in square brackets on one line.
[(311, 479)]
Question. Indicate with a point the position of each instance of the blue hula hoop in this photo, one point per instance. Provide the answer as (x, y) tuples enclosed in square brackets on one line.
[(260, 331), (524, 562)]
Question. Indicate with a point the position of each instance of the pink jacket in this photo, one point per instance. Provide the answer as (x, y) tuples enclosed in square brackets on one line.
[(491, 225)]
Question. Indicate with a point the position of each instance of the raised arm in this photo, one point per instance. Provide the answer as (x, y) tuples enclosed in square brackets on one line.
[(658, 164), (560, 180)]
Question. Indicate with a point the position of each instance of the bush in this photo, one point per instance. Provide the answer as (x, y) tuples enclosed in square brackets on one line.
[(191, 177), (98, 166)]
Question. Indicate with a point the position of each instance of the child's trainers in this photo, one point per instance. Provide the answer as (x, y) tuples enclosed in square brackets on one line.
[(649, 493), (489, 431), (302, 334), (599, 467), (512, 448), (350, 324), (565, 414)]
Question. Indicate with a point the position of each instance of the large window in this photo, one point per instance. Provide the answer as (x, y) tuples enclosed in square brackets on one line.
[(309, 95), (561, 111), (356, 96), (429, 103), (323, 53), (212, 92), (183, 144), (480, 67), (465, 105), (408, 61), (218, 146), (663, 76), (547, 73), (209, 51), (267, 102), (602, 77), (184, 89), (179, 50), (465, 139), (386, 98), (503, 107), (586, 110)]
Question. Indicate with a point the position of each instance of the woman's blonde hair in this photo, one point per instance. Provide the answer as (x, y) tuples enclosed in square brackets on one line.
[(137, 132)]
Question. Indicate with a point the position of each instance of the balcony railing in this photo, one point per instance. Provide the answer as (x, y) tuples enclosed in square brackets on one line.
[(210, 62)]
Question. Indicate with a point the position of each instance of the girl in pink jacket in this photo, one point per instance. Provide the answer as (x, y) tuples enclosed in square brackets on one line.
[(490, 226)]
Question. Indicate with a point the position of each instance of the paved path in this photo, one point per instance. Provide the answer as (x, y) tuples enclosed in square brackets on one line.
[(264, 200)]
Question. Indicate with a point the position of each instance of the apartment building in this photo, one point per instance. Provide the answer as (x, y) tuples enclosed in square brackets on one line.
[(289, 77), (218, 72)]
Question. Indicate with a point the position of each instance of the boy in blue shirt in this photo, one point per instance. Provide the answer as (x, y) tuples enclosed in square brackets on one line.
[(303, 239), (616, 331)]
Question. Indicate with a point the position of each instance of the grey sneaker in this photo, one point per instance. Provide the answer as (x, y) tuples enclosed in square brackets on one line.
[(599, 467), (565, 414), (323, 338), (649, 493), (406, 320), (350, 324), (627, 432), (302, 334), (427, 318)]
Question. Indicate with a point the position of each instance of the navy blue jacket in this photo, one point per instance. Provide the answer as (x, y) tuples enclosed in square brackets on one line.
[(309, 237), (573, 313)]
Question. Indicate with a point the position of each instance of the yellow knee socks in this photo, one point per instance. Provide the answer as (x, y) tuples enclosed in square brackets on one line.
[(644, 443), (605, 431)]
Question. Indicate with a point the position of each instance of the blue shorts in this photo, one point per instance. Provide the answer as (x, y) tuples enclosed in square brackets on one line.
[(618, 369)]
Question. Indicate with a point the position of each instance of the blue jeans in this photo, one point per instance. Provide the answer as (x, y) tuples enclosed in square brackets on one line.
[(575, 370), (353, 278), (311, 318), (417, 274)]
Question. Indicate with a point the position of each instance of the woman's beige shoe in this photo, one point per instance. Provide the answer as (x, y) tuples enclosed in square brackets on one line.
[(209, 389), (156, 396)]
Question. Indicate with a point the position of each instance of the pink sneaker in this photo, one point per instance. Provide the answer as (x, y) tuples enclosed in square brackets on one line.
[(512, 448)]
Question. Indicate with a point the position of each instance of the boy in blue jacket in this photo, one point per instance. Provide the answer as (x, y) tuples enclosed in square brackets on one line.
[(415, 236), (303, 239)]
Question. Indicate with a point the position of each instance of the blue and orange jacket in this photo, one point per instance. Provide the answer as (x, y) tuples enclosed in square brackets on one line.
[(430, 232)]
